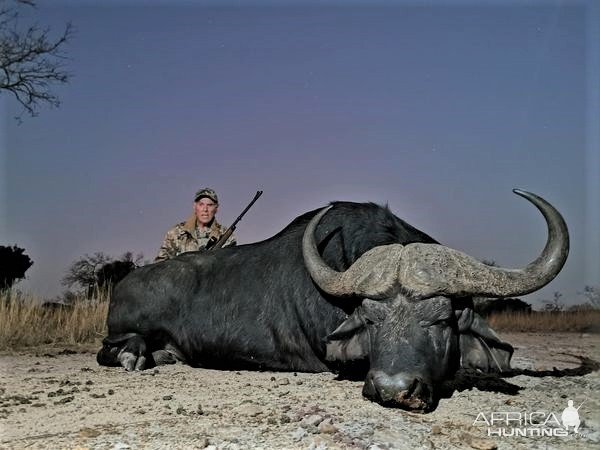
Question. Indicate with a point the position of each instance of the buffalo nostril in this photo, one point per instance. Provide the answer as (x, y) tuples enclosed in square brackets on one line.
[(418, 388), (370, 389), (400, 390), (381, 387), (417, 397)]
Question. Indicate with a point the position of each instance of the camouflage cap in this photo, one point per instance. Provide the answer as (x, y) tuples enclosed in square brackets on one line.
[(208, 193)]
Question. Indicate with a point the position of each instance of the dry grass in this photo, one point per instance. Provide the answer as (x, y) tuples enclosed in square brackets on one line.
[(538, 321), (25, 323)]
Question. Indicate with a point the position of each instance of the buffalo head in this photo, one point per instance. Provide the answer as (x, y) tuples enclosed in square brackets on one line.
[(416, 325)]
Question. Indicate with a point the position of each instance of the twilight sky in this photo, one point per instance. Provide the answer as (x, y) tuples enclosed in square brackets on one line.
[(438, 111)]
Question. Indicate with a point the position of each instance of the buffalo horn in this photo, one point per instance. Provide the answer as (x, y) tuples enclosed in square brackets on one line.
[(427, 270)]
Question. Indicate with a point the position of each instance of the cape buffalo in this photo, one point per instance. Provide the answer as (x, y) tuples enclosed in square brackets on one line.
[(348, 288)]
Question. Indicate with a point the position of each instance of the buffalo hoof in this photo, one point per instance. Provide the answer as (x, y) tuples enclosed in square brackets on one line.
[(132, 356), (132, 362)]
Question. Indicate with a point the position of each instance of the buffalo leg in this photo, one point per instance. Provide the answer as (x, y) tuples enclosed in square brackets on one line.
[(170, 354), (133, 354), (107, 356), (129, 351)]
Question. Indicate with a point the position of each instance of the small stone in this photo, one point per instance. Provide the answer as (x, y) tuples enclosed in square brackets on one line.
[(249, 410), (203, 442), (284, 382), (311, 421), (180, 410), (478, 443), (327, 427), (89, 433), (167, 397), (483, 444), (436, 429), (67, 351), (64, 400), (594, 437), (374, 447), (111, 392), (298, 434)]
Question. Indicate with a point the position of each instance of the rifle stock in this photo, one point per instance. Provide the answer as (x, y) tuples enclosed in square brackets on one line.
[(221, 242)]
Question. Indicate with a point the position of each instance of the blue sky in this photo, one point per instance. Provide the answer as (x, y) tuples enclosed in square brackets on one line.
[(437, 110)]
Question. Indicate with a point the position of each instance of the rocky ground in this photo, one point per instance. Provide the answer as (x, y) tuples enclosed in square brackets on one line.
[(61, 399)]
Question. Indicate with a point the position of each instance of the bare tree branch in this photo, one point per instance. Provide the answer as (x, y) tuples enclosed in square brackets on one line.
[(83, 271), (30, 60), (100, 271), (592, 294), (555, 305)]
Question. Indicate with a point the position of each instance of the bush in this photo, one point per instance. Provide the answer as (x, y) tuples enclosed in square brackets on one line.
[(13, 265)]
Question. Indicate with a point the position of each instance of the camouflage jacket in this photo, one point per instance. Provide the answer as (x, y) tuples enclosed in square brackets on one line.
[(187, 237)]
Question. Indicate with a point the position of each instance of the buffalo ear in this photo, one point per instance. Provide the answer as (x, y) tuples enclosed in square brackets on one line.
[(351, 341), (349, 327), (482, 349)]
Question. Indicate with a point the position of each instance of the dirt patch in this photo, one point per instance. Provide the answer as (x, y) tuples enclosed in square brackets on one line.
[(65, 400)]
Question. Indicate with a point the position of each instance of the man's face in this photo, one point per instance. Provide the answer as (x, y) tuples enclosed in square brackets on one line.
[(205, 210)]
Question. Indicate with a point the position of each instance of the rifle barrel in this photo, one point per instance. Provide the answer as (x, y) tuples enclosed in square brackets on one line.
[(258, 194), (231, 229)]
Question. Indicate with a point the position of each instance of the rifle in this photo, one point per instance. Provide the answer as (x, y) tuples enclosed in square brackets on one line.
[(213, 243)]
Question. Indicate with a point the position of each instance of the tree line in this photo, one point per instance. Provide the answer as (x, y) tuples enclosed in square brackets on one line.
[(87, 275), (99, 272)]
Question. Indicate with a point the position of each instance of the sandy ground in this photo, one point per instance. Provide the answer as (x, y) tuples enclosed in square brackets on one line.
[(60, 399)]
